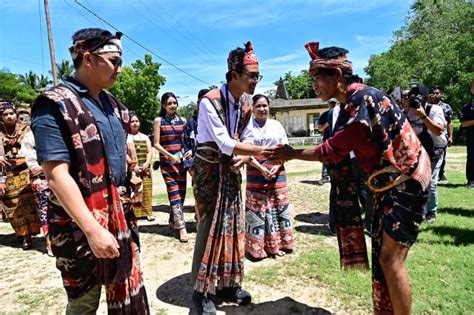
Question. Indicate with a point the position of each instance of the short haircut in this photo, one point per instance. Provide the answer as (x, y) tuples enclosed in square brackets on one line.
[(88, 34), (238, 53), (202, 92)]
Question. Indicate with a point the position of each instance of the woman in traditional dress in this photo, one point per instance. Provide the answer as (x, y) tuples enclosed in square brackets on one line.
[(168, 140), (39, 184), (18, 199), (142, 168), (373, 126), (267, 214)]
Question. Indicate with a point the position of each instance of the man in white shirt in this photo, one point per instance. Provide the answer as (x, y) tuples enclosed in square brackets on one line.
[(430, 118), (222, 149)]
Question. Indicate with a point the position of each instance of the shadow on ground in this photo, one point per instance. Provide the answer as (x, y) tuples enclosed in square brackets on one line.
[(461, 237), (314, 229), (164, 229), (313, 218), (313, 182), (166, 209), (13, 241), (451, 185), (458, 211), (178, 291)]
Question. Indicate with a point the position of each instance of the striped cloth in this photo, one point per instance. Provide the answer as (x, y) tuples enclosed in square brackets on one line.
[(145, 209), (267, 214), (174, 175)]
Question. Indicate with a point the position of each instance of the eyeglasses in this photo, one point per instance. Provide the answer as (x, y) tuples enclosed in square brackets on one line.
[(114, 61), (254, 76)]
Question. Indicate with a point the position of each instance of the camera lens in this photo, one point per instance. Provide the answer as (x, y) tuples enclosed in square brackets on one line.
[(414, 102)]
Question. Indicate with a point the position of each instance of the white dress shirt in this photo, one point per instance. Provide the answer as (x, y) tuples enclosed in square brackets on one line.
[(211, 128)]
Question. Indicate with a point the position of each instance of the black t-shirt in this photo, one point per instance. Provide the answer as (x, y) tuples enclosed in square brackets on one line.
[(467, 113), (323, 119)]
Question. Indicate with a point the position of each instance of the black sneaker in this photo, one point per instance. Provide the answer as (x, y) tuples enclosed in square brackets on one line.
[(235, 295), (203, 304), (470, 184)]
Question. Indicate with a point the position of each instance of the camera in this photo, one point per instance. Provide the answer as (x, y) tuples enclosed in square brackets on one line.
[(417, 95)]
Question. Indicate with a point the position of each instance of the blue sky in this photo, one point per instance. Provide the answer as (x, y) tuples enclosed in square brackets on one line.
[(196, 36)]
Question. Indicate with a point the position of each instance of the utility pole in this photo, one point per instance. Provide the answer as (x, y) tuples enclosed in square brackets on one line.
[(51, 45)]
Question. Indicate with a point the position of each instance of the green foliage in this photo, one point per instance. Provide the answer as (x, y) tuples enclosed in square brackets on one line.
[(439, 264), (20, 91), (187, 110), (300, 86), (434, 47), (138, 86), (65, 69)]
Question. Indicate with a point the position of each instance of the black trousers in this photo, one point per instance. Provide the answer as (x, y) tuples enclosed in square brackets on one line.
[(470, 159)]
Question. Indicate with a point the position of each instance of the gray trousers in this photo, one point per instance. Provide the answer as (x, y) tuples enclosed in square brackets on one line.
[(203, 228)]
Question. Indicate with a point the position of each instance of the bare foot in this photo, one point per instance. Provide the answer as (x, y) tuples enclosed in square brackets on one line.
[(183, 236)]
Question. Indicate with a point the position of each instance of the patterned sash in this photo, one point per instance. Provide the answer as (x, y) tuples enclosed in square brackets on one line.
[(220, 196), (80, 269)]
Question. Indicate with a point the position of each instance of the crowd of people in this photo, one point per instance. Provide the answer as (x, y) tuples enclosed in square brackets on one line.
[(83, 174)]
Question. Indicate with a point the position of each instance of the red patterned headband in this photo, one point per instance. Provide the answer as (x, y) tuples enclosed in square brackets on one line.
[(317, 62), (249, 58)]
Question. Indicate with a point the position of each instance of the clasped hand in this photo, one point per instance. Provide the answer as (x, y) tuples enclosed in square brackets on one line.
[(278, 154)]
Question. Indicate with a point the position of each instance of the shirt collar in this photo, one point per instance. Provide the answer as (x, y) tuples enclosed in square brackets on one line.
[(225, 91), (80, 88)]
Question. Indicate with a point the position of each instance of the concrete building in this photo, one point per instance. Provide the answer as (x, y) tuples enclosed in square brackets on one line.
[(298, 117)]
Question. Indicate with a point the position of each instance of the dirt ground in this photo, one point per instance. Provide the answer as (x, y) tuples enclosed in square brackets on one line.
[(30, 282)]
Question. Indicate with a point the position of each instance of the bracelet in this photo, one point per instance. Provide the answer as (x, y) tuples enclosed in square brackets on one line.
[(424, 117), (250, 159)]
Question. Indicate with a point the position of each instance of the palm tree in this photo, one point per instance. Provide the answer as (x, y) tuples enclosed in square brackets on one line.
[(43, 83), (65, 69), (30, 79)]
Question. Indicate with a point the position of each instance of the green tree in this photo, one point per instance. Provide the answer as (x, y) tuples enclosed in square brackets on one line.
[(138, 86), (435, 47), (12, 86), (65, 69), (187, 110), (300, 86), (30, 78)]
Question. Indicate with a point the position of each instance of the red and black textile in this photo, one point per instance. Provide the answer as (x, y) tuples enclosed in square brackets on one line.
[(220, 196), (80, 269), (348, 220)]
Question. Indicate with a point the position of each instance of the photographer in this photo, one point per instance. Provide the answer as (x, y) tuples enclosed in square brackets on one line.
[(429, 124)]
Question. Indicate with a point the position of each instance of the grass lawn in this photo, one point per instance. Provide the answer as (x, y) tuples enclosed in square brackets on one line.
[(440, 264)]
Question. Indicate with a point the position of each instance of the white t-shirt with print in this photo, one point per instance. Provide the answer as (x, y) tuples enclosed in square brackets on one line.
[(436, 115)]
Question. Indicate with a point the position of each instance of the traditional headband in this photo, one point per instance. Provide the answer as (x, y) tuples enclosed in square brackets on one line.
[(6, 105), (317, 62), (249, 58), (97, 45)]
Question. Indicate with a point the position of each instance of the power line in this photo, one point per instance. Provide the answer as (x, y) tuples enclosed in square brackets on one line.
[(128, 49), (196, 53), (190, 36), (140, 45), (20, 59)]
